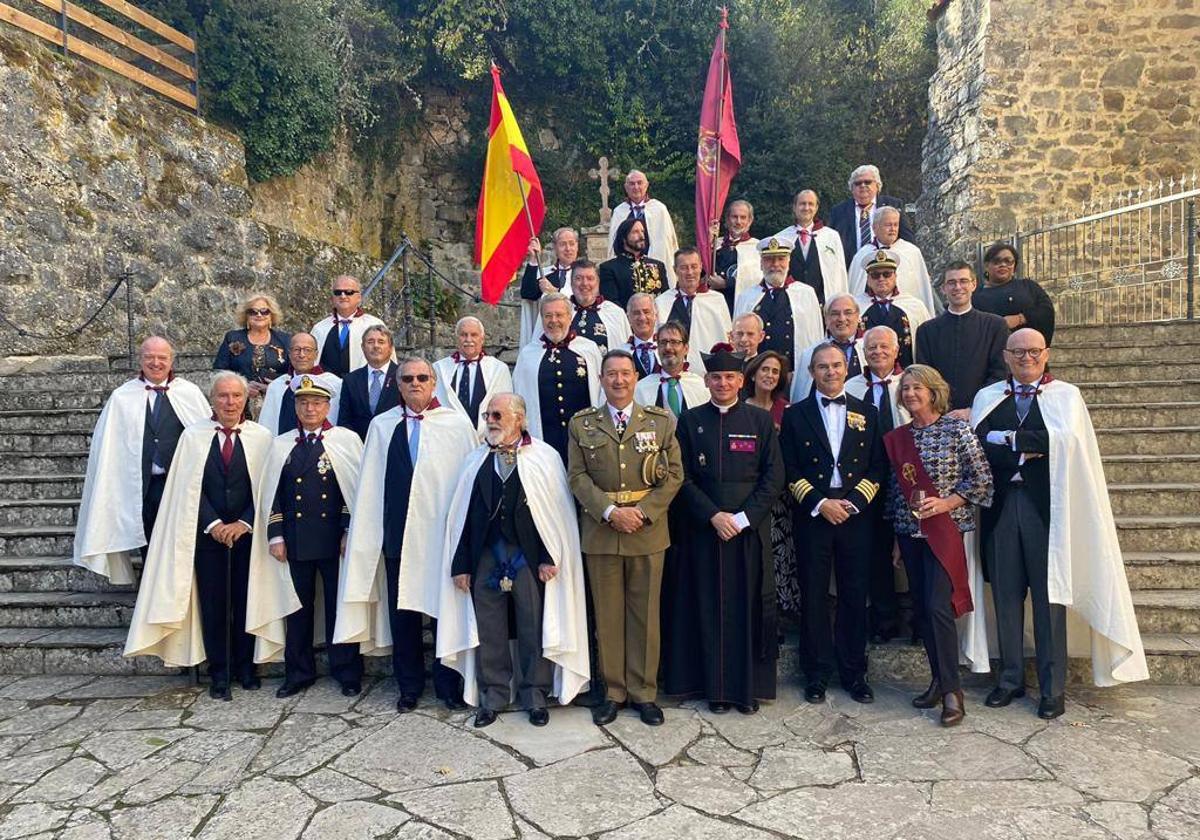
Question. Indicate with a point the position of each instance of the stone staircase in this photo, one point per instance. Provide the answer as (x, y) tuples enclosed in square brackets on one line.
[(1142, 384)]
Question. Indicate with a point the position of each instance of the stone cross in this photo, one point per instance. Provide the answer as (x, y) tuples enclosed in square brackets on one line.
[(604, 174)]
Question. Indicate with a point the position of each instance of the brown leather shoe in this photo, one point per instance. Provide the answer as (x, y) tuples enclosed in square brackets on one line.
[(953, 708), (930, 698)]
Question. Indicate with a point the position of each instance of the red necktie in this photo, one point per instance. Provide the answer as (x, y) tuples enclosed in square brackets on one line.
[(227, 446), (804, 237)]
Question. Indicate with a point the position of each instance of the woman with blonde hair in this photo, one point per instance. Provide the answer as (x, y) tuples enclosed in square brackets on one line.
[(939, 471), (256, 349)]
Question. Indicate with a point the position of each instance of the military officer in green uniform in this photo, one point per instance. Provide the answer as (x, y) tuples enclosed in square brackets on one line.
[(624, 468)]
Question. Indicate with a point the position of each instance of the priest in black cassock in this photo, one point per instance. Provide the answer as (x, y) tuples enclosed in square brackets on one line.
[(631, 270), (733, 474), (964, 345)]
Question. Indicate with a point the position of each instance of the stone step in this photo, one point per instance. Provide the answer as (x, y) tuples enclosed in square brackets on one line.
[(1150, 469), (25, 400), (1154, 499), (47, 463), (1172, 659), (1159, 533), (43, 442), (1139, 392), (1146, 440), (1101, 335), (25, 487), (1167, 610), (105, 381), (1114, 415), (1162, 570), (43, 541), (1124, 351), (66, 609), (45, 365), (49, 420), (59, 574), (1116, 371), (37, 512)]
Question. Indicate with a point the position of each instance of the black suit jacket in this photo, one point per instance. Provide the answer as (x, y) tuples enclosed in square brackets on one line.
[(225, 494), (1031, 436), (161, 438), (530, 290), (481, 526), (844, 219), (354, 406), (808, 458)]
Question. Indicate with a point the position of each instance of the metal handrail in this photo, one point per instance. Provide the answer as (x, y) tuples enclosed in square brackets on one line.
[(123, 278), (407, 246)]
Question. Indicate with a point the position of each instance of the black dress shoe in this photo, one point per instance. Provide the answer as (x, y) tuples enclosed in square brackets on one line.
[(220, 691), (292, 689), (1051, 707), (351, 690), (539, 716), (650, 713), (748, 708), (860, 692), (931, 698), (1000, 696), (605, 713), (251, 683), (454, 704), (814, 692), (719, 708), (484, 717), (407, 702)]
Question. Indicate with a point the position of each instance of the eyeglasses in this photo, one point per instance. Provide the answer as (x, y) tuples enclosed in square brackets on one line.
[(1003, 261), (494, 415), (881, 274), (259, 312), (863, 183), (304, 351), (410, 378), (345, 292), (669, 342), (958, 281), (1021, 353)]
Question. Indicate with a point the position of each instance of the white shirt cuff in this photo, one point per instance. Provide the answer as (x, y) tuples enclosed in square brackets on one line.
[(741, 520), (608, 512), (816, 511), (275, 541), (212, 525)]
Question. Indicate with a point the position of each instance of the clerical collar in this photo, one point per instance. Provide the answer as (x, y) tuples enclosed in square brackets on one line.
[(950, 311), (724, 409)]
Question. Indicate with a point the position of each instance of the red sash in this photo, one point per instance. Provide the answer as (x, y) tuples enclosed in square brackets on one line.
[(940, 531)]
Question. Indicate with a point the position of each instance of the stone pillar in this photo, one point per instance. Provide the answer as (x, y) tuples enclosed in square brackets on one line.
[(595, 243)]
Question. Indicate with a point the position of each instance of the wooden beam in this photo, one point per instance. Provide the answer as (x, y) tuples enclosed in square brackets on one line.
[(31, 24), (152, 23), (123, 38)]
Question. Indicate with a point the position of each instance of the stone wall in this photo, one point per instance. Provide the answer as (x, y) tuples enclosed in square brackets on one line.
[(1037, 107)]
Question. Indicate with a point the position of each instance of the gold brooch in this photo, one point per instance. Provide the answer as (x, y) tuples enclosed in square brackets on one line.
[(856, 421)]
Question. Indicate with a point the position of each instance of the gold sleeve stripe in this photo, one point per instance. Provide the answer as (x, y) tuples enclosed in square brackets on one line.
[(800, 489), (868, 489), (276, 517)]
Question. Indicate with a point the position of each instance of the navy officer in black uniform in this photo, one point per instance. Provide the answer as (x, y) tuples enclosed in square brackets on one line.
[(835, 462), (307, 530)]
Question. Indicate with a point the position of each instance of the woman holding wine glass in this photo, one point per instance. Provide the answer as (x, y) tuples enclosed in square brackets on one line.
[(939, 471)]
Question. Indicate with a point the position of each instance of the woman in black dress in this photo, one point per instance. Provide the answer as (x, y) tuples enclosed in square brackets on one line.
[(256, 350), (1018, 300)]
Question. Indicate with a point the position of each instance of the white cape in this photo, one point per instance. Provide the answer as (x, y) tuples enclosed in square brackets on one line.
[(272, 596), (446, 439), (711, 323), (912, 275), (529, 308), (695, 392), (564, 616), (808, 325), (1086, 570), (166, 617), (496, 380), (614, 319), (525, 376), (663, 241), (856, 386), (109, 527), (830, 255), (268, 415), (749, 266), (358, 326)]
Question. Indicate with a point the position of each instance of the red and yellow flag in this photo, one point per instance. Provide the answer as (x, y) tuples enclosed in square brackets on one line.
[(511, 203)]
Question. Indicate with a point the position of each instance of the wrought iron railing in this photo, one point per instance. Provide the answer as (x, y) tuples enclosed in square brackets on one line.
[(1130, 262)]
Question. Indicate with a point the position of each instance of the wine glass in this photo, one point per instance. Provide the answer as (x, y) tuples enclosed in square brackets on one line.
[(915, 500)]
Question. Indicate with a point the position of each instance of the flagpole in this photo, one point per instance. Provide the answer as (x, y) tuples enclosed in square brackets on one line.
[(712, 245)]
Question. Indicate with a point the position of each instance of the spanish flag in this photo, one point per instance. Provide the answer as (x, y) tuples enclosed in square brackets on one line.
[(511, 203)]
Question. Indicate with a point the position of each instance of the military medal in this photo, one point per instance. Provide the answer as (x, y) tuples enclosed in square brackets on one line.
[(323, 465), (581, 372), (506, 584)]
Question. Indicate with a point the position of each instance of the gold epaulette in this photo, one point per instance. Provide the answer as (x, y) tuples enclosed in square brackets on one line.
[(868, 489), (800, 489)]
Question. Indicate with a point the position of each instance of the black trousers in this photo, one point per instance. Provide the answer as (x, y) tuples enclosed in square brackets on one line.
[(222, 578), (845, 551), (1017, 561), (300, 663), (151, 501), (495, 661), (885, 607), (408, 647), (930, 588)]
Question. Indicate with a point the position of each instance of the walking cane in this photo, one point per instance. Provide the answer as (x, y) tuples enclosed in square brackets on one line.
[(228, 622)]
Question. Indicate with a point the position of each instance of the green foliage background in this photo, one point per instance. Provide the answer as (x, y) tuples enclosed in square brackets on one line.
[(819, 86)]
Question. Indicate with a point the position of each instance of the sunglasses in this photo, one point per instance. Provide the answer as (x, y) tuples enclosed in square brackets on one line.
[(345, 292), (863, 183), (258, 312), (410, 378), (881, 274), (494, 415)]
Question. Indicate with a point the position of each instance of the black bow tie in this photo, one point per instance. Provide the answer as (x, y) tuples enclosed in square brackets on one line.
[(839, 400)]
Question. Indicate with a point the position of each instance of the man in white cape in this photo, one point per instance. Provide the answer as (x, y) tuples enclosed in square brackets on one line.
[(191, 604), (557, 374), (129, 460), (469, 376), (884, 305), (736, 265), (278, 412), (841, 329), (789, 310), (392, 572), (340, 334), (537, 280), (659, 227), (1051, 533), (302, 515), (674, 387), (700, 309), (912, 275), (513, 498), (817, 258), (594, 316)]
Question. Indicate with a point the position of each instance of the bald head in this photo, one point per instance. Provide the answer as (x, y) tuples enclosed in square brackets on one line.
[(156, 357), (1026, 354)]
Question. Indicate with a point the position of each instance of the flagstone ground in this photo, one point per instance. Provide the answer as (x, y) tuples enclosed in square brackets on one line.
[(94, 758)]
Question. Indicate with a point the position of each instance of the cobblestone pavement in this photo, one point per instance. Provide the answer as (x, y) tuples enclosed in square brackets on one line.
[(87, 758)]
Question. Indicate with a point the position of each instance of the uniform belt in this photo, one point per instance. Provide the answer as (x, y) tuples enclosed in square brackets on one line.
[(627, 497)]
